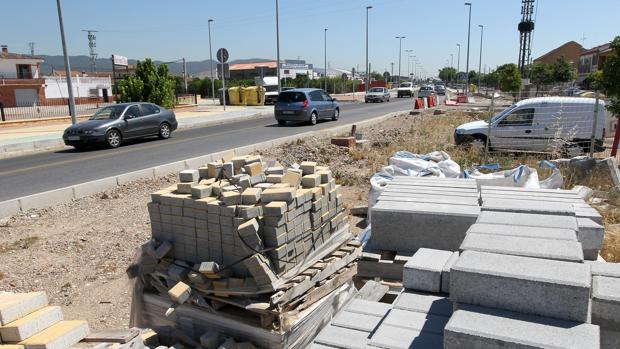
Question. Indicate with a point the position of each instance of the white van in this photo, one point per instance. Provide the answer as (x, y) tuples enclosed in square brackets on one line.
[(543, 124)]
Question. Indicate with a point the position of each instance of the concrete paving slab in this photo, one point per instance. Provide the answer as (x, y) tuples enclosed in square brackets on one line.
[(434, 183), (561, 250), (423, 271), (341, 337), (606, 302), (423, 303), (549, 192), (356, 321), (528, 206), (604, 268), (478, 327), (445, 272), (401, 338), (519, 231), (443, 199), (426, 191), (588, 212), (405, 226), (397, 186), (528, 219), (535, 286), (610, 339), (528, 196), (590, 234), (361, 306), (416, 321)]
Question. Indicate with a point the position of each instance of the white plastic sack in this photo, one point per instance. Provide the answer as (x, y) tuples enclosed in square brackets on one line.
[(522, 176), (555, 181)]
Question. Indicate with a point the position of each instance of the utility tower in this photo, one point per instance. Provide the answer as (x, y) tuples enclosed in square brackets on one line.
[(92, 45), (31, 44), (526, 26)]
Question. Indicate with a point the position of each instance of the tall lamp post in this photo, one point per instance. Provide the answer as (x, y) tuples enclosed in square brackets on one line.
[(458, 66), (480, 60), (278, 47), (67, 66), (211, 59), (468, 36), (400, 45), (367, 65), (408, 62), (325, 41)]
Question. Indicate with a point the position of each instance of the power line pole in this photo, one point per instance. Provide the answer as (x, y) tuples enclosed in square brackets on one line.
[(92, 45), (400, 45), (480, 60), (367, 64), (31, 44), (67, 66), (392, 72), (278, 47), (468, 36), (326, 59), (184, 75), (211, 60)]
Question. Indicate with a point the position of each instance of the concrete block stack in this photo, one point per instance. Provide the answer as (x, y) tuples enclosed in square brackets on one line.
[(228, 211), (27, 321), (606, 302)]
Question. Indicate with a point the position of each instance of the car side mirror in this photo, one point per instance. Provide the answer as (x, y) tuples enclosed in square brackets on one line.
[(128, 116)]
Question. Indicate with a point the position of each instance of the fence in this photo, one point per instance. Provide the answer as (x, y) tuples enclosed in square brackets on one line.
[(56, 107), (556, 126), (185, 99)]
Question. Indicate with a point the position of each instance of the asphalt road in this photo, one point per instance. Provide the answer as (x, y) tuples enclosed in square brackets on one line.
[(44, 171)]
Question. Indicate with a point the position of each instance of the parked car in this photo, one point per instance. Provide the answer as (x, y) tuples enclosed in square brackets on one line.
[(440, 90), (540, 125), (305, 104), (117, 123), (377, 94), (426, 91), (405, 89)]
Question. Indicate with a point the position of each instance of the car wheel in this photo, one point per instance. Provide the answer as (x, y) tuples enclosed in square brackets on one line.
[(113, 139), (336, 114), (164, 130), (313, 118), (281, 122)]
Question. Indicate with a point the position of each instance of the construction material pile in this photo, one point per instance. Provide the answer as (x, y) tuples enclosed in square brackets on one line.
[(244, 235)]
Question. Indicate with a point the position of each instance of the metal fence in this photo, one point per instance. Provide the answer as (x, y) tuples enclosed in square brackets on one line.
[(556, 126), (49, 108)]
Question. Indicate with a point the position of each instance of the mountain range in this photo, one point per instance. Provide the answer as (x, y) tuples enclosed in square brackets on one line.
[(82, 63)]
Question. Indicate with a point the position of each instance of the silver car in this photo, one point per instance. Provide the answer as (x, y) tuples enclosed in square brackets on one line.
[(305, 104), (116, 123), (377, 94)]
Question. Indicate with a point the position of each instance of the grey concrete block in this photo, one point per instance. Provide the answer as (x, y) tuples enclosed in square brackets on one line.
[(423, 271), (590, 234), (92, 187), (445, 272), (356, 321), (401, 338), (423, 303), (530, 196), (437, 182), (478, 327), (361, 306), (166, 169), (610, 339), (561, 250), (405, 226), (416, 321), (46, 198), (531, 191), (604, 268), (444, 199), (528, 219), (9, 208), (606, 302), (189, 176), (341, 337), (527, 206), (135, 175), (519, 231), (432, 190), (529, 285)]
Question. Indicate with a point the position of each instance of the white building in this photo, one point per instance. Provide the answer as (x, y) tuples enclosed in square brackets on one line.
[(83, 87)]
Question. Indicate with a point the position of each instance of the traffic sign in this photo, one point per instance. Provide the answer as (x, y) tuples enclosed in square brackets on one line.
[(222, 55)]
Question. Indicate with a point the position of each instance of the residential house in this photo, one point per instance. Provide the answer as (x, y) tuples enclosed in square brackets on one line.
[(592, 60), (20, 83), (570, 50)]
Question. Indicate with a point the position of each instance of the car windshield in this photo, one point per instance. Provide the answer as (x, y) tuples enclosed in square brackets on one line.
[(110, 112), (425, 88), (271, 88), (405, 85), (376, 89), (291, 97), (505, 112)]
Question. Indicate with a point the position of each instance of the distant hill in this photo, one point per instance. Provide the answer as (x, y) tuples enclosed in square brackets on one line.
[(194, 68)]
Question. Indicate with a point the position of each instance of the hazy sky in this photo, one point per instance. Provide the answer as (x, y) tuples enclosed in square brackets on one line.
[(168, 30)]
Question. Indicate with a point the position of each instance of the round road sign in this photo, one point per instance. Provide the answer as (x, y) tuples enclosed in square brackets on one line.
[(222, 55)]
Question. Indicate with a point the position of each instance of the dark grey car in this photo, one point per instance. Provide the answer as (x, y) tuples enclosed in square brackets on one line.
[(116, 123), (305, 104)]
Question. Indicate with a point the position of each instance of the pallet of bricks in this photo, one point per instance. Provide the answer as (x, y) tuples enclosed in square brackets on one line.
[(246, 250)]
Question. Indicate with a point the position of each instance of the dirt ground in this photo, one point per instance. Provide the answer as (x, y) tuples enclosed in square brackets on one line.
[(78, 252)]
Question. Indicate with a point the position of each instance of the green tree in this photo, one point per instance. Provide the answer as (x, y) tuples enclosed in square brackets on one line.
[(148, 84), (473, 77), (609, 80), (386, 76), (541, 74), (563, 71), (447, 74), (509, 78), (491, 79)]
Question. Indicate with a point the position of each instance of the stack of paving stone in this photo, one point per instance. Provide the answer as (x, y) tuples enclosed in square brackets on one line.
[(606, 301), (28, 322)]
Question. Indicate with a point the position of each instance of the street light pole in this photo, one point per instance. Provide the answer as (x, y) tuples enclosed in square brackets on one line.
[(326, 59), (67, 66), (278, 47), (468, 36), (452, 60), (407, 52), (211, 60), (400, 45), (392, 72), (480, 60), (458, 65), (367, 65)]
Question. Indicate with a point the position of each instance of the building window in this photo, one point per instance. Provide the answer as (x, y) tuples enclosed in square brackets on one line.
[(93, 92), (24, 71)]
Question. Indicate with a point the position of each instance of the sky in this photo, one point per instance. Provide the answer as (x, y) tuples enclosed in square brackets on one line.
[(170, 30)]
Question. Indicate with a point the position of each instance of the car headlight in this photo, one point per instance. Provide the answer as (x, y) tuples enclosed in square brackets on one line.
[(89, 132), (458, 131)]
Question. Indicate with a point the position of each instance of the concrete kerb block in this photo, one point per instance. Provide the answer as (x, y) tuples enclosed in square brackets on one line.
[(9, 208), (147, 173), (445, 272), (94, 187), (423, 271), (264, 145), (606, 302), (166, 169), (198, 161), (46, 198), (246, 150)]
